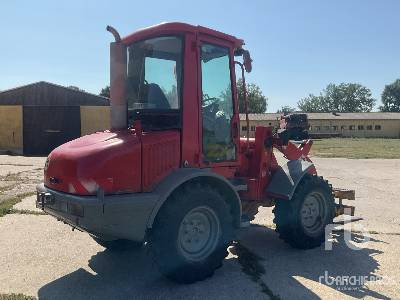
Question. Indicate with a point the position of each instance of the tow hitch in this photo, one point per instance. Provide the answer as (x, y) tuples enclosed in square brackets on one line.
[(343, 194), (44, 199)]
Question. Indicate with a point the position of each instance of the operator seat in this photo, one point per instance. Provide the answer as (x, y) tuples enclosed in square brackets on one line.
[(156, 96)]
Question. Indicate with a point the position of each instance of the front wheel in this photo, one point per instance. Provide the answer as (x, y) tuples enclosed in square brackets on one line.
[(191, 234), (301, 221)]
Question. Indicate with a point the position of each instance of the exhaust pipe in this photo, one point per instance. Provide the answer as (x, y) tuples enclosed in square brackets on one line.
[(118, 76)]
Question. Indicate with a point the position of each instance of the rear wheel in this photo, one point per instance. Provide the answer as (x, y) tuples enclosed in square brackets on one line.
[(301, 221), (191, 234)]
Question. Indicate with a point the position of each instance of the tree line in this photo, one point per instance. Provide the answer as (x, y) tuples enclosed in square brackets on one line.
[(349, 97), (343, 97)]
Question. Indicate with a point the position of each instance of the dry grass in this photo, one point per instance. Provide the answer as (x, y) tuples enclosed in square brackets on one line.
[(6, 205), (16, 297), (356, 148)]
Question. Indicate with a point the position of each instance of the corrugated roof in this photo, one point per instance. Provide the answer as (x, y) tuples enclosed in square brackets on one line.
[(329, 116), (45, 93)]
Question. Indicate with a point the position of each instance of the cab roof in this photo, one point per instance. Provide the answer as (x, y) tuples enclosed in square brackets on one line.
[(177, 27)]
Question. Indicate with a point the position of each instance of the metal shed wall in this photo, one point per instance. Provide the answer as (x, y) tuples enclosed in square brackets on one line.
[(45, 93)]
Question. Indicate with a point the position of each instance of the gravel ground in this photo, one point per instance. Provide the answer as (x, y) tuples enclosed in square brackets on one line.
[(44, 258)]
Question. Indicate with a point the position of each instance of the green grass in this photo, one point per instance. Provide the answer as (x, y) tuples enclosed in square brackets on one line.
[(6, 205), (16, 297), (356, 148), (26, 212)]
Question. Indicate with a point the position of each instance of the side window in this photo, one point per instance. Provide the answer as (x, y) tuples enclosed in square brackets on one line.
[(217, 104)]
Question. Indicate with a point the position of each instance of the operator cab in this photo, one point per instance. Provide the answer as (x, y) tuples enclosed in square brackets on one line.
[(182, 77)]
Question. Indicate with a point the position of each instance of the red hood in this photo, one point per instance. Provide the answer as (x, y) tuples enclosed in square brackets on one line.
[(106, 160)]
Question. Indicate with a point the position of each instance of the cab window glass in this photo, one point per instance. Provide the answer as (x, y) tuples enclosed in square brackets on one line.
[(154, 74), (217, 104)]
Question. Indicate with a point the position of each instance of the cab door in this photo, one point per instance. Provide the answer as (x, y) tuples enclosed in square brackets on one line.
[(219, 117)]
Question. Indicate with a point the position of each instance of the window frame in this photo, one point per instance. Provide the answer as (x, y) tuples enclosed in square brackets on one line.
[(180, 90)]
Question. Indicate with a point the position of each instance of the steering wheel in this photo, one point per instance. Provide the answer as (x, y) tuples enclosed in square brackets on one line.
[(210, 105)]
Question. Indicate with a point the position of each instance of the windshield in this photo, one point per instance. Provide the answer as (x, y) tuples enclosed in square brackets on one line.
[(154, 74)]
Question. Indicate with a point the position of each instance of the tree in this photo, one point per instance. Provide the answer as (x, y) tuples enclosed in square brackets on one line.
[(257, 100), (345, 97), (391, 97), (286, 110), (105, 92)]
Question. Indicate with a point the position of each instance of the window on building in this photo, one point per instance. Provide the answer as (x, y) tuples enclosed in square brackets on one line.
[(253, 128), (369, 127), (311, 128), (317, 128), (360, 127), (335, 128), (343, 127), (378, 127), (352, 127), (269, 123), (244, 128)]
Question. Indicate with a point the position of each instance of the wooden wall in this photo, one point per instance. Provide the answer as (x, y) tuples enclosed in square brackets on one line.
[(11, 128), (94, 118)]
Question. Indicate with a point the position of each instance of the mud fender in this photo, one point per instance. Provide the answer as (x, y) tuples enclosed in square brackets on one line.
[(181, 176), (287, 177)]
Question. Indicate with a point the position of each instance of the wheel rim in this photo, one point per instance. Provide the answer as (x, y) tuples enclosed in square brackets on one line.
[(313, 213), (199, 233)]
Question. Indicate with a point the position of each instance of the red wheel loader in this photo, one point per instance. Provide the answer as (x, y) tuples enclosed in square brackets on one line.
[(173, 171)]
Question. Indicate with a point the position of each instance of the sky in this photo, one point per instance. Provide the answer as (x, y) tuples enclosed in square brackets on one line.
[(298, 47)]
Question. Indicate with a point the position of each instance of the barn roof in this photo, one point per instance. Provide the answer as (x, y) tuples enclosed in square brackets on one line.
[(45, 93), (329, 116)]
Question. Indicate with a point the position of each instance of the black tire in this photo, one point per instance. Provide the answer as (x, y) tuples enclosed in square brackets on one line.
[(293, 216), (166, 238), (117, 245), (304, 135)]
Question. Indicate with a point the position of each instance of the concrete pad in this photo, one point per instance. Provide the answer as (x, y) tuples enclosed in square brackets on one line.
[(296, 274), (28, 203), (22, 160), (44, 258), (16, 164)]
